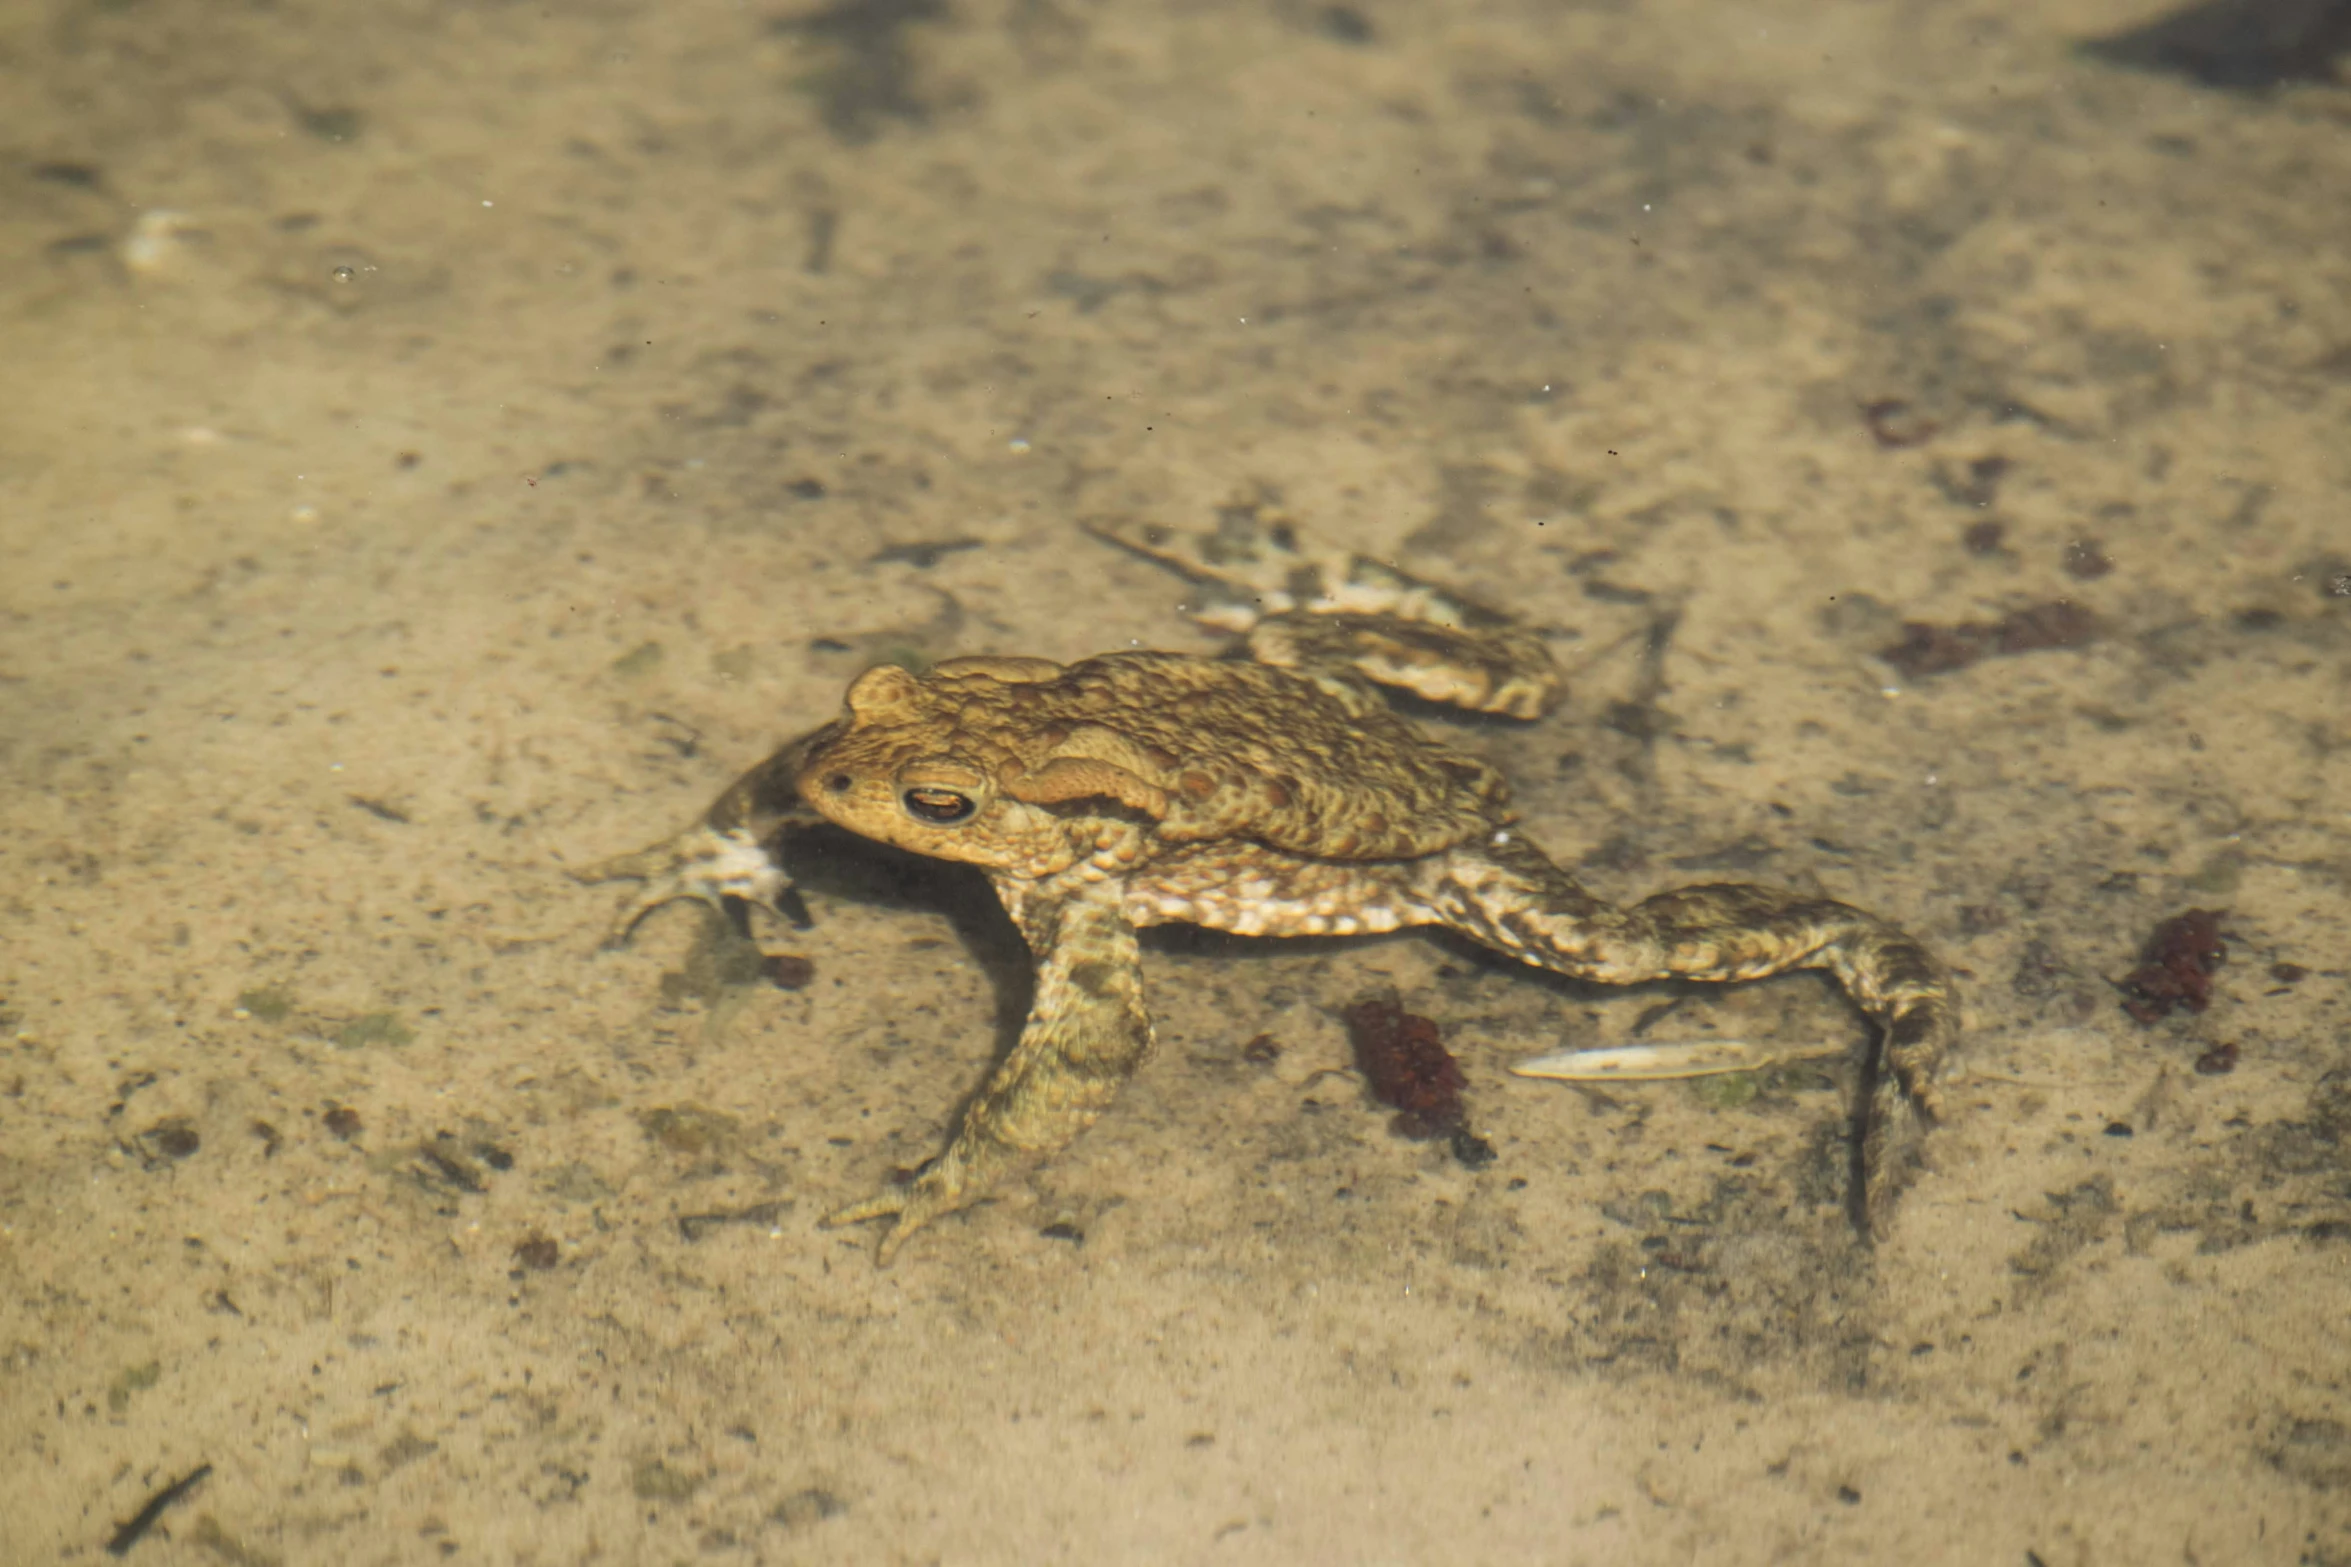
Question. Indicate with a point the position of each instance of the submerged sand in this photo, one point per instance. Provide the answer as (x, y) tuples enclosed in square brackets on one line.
[(444, 444)]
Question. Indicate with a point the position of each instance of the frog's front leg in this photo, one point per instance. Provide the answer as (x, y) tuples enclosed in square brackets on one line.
[(1086, 1033), (725, 854)]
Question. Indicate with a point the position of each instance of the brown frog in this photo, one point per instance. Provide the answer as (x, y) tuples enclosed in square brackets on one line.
[(1273, 796)]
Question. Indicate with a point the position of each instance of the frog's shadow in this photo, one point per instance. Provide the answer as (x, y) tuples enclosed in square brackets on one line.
[(834, 865)]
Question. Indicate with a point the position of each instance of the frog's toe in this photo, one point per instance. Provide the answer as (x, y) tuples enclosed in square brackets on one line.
[(701, 863), (909, 1207), (658, 890)]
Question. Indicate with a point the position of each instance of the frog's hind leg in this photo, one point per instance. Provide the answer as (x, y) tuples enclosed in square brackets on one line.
[(1308, 604), (1507, 895), (1488, 670)]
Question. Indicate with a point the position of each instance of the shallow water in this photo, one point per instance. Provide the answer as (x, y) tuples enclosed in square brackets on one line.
[(444, 445)]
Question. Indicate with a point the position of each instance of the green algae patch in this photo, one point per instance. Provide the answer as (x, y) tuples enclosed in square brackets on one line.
[(655, 1481), (133, 1381), (376, 1028), (1727, 1091), (270, 1003)]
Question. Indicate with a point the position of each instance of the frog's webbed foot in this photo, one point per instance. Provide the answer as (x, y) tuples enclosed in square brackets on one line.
[(947, 1183), (1308, 604), (1086, 1034), (1491, 669), (701, 863), (726, 854)]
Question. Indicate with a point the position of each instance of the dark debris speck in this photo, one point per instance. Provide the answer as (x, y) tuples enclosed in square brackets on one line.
[(444, 1167), (1894, 424), (2085, 560), (172, 1138), (787, 970), (922, 555), (803, 1508), (1981, 919), (2219, 1061), (1978, 485), (1471, 1151)]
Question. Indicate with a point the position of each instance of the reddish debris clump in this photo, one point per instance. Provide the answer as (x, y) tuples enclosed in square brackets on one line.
[(1406, 1065), (2177, 966), (1928, 649)]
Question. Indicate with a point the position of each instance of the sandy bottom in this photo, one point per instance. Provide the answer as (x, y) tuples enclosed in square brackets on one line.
[(443, 444)]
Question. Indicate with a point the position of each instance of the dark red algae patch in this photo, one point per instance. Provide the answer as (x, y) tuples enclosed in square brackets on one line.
[(1929, 649), (2177, 966), (1407, 1067)]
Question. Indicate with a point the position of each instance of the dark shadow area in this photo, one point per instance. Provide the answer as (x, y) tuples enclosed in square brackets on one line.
[(866, 75), (2240, 45), (831, 864)]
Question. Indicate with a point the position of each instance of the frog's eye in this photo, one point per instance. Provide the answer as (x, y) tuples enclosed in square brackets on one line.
[(942, 790), (942, 806)]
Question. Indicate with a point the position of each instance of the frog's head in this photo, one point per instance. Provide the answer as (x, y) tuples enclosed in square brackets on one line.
[(933, 763)]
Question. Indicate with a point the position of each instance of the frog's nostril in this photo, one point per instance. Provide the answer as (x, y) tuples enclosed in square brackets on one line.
[(839, 783)]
